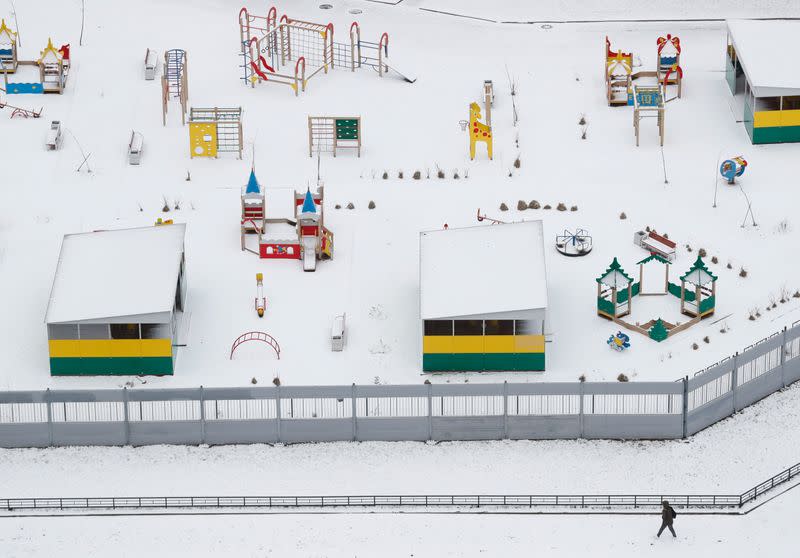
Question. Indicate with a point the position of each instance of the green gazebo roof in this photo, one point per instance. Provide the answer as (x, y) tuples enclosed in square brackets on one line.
[(655, 257), (698, 274), (614, 276)]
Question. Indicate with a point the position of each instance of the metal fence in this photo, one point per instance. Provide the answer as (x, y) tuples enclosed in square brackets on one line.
[(696, 501), (559, 410)]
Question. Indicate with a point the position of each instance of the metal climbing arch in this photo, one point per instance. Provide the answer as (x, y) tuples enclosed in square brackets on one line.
[(257, 336)]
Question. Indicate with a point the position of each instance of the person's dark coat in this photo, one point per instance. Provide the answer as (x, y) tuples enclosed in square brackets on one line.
[(667, 515)]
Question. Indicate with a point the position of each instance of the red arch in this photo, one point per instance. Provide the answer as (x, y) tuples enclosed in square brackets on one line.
[(257, 336)]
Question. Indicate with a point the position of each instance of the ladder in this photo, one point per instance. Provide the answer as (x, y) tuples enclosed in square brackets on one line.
[(322, 134), (173, 71)]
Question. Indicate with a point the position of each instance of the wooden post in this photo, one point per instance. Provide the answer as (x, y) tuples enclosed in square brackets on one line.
[(614, 300), (666, 279), (697, 294), (630, 297), (335, 138), (641, 278), (683, 295)]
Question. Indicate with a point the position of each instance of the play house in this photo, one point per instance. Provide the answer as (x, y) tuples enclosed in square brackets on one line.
[(118, 302), (50, 69), (762, 72), (616, 291), (289, 225), (483, 298)]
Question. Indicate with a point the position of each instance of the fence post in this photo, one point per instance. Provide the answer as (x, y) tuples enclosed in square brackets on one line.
[(783, 357), (353, 402), (735, 381), (49, 418), (685, 403), (278, 412), (430, 411), (505, 410), (125, 416), (202, 416), (580, 409)]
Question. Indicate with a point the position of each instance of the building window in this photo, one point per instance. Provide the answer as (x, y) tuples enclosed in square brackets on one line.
[(791, 103), (62, 331), (438, 327), (767, 103), (468, 327), (94, 331), (156, 331), (124, 331), (499, 327), (525, 327)]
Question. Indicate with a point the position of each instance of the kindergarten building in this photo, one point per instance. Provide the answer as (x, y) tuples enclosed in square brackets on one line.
[(761, 66), (117, 303), (483, 298)]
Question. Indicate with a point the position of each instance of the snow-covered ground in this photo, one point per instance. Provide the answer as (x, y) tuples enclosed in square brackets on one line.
[(374, 276), (766, 531)]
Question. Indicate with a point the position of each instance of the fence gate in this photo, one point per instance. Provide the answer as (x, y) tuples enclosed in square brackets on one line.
[(331, 133)]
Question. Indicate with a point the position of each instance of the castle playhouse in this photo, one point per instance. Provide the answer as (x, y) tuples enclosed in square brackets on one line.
[(289, 225), (117, 302), (762, 72), (483, 298), (52, 66)]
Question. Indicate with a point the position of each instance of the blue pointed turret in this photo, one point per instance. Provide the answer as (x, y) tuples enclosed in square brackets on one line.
[(252, 184), (308, 203)]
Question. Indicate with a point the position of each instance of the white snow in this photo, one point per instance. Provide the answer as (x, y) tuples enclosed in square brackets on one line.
[(116, 273), (482, 270), (406, 127), (770, 64)]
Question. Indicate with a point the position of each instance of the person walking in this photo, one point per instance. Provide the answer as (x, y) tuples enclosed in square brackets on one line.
[(668, 515)]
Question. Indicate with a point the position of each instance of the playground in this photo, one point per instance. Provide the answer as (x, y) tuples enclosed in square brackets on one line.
[(377, 196)]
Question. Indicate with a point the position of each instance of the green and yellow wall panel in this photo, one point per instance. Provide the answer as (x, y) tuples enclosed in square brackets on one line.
[(93, 357), (773, 126), (479, 352)]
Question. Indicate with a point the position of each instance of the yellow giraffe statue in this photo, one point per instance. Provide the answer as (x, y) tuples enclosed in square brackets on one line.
[(478, 131)]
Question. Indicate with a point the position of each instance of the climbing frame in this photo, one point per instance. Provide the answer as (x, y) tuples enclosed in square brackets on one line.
[(331, 133)]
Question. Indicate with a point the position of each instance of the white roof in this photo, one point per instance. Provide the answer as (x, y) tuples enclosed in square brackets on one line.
[(767, 50), (116, 273), (482, 270)]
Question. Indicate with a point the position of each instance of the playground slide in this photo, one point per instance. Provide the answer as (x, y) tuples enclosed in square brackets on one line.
[(309, 253), (405, 77), (258, 71)]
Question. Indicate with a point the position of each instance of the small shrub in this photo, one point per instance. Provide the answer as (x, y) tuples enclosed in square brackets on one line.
[(706, 339), (517, 163), (427, 382), (783, 226), (417, 175), (796, 294), (466, 174), (400, 175), (503, 207), (534, 204), (561, 207), (582, 378), (729, 266), (351, 206), (337, 206), (702, 252), (371, 204), (165, 208), (574, 208), (695, 346), (276, 381), (647, 228), (254, 381), (584, 129), (427, 174), (188, 176), (582, 121), (510, 174), (439, 172), (623, 216), (547, 206), (742, 272), (385, 175), (622, 378), (521, 205), (689, 248), (714, 259), (455, 175)]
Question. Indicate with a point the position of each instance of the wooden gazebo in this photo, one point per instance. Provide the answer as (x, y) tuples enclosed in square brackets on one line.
[(615, 291), (700, 301)]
